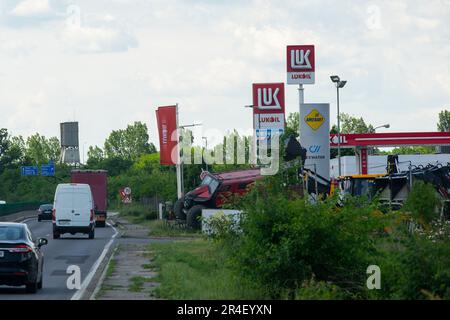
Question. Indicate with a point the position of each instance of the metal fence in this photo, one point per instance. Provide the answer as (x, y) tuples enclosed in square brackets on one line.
[(10, 208)]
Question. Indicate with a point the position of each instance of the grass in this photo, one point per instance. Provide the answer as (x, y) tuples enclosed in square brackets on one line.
[(137, 214), (136, 283), (196, 269)]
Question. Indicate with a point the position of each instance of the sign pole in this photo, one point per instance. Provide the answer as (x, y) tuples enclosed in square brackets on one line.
[(179, 164), (301, 98)]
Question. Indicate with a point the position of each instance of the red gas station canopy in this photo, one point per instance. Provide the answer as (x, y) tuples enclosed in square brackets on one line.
[(390, 139)]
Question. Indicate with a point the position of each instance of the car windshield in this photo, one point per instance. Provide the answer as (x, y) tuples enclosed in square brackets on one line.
[(46, 207), (211, 183), (11, 233)]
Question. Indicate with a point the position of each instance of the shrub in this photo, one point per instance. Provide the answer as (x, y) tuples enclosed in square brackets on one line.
[(287, 241), (423, 202)]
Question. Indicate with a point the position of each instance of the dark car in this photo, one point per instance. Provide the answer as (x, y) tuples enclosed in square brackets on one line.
[(45, 212), (21, 259)]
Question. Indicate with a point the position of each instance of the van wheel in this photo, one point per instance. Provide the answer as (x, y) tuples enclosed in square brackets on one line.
[(91, 234), (39, 219), (56, 235), (193, 217), (31, 287)]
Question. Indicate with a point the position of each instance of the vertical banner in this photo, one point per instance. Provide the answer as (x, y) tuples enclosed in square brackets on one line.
[(315, 136), (167, 128)]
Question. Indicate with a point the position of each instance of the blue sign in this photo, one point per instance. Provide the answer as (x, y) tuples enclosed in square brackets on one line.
[(48, 170), (29, 171)]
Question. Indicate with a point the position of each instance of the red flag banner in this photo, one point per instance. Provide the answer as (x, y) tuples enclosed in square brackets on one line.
[(167, 128)]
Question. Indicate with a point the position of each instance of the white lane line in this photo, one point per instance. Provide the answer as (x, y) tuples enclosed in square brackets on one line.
[(77, 295)]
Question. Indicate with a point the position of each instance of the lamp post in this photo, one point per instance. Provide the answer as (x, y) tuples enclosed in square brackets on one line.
[(387, 126), (180, 174), (339, 85)]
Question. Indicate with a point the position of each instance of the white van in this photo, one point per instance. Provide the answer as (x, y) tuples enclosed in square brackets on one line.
[(73, 210)]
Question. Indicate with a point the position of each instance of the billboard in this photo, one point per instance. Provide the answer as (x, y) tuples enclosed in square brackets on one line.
[(301, 64), (315, 136), (167, 129)]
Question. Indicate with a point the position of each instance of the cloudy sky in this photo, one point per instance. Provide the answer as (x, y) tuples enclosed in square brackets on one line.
[(107, 63)]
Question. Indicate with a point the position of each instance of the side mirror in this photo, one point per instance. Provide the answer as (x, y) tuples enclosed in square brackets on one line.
[(42, 242)]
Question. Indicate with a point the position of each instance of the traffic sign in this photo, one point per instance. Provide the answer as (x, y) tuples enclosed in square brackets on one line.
[(29, 171), (48, 170)]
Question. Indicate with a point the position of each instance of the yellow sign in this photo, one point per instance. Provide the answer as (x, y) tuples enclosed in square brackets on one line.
[(314, 119)]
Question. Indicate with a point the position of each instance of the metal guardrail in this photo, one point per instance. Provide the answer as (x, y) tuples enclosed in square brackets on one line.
[(10, 208)]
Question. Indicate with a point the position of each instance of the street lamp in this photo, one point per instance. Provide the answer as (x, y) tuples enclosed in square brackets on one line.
[(387, 126), (339, 84)]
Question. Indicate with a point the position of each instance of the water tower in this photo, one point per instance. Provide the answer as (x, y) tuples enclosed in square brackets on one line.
[(70, 151)]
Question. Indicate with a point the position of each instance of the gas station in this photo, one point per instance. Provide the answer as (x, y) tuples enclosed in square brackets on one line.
[(362, 141)]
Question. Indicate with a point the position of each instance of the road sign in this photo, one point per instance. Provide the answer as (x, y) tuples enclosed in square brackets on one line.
[(48, 170), (301, 65), (29, 171), (314, 119)]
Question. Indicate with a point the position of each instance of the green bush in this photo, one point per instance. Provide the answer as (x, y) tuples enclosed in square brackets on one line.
[(423, 202), (287, 241)]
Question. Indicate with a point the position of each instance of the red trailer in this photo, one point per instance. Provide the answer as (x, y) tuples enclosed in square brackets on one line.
[(97, 180)]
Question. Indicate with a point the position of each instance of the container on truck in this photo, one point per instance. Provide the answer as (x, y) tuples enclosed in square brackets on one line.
[(97, 180)]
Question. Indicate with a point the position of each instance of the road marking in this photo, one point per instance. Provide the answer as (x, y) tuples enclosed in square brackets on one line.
[(77, 295)]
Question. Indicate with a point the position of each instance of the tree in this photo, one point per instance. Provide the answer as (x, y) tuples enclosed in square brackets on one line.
[(444, 121), (130, 143), (95, 155), (40, 150), (292, 125)]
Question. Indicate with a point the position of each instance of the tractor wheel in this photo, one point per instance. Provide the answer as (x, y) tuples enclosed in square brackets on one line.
[(178, 208), (193, 217)]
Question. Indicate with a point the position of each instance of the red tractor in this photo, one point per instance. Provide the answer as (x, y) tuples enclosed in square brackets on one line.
[(214, 190)]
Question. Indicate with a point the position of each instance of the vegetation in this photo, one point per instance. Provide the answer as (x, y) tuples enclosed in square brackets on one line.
[(196, 269), (299, 250)]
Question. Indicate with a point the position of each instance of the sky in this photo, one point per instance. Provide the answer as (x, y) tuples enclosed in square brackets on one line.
[(108, 63)]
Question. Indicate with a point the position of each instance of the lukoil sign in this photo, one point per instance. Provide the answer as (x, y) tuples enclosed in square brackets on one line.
[(269, 120), (268, 97), (300, 64)]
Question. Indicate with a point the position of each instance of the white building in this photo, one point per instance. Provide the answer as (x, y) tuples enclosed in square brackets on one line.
[(377, 164)]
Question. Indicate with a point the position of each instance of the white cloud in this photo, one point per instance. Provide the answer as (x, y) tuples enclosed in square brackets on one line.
[(32, 8), (97, 39)]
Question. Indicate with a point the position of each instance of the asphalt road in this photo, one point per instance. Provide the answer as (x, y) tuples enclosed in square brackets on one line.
[(58, 256)]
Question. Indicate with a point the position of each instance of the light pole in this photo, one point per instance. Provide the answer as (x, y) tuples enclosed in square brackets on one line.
[(339, 84), (180, 174)]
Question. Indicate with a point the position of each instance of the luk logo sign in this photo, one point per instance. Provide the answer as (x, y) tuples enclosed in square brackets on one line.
[(268, 97), (300, 64), (314, 119), (300, 59)]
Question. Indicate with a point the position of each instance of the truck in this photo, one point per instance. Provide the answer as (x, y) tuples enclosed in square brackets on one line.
[(97, 180)]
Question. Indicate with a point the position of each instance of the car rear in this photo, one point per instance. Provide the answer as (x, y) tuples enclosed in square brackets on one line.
[(18, 262), (45, 212), (73, 210)]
